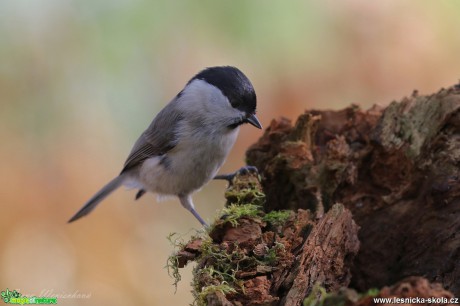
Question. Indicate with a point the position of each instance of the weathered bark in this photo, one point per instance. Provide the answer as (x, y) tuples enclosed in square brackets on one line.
[(395, 173), (268, 260), (323, 258), (396, 169)]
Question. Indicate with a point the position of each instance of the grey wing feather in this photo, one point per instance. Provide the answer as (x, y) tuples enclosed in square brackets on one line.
[(158, 139)]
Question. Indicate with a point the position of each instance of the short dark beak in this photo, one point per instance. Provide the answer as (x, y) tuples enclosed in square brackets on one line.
[(254, 121)]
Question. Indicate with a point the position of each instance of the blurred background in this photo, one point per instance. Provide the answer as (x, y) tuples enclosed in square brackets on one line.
[(80, 80)]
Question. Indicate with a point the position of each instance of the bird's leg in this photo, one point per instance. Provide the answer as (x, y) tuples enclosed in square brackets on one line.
[(229, 177), (187, 203)]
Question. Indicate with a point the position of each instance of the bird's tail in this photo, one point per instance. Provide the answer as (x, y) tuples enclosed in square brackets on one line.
[(98, 197)]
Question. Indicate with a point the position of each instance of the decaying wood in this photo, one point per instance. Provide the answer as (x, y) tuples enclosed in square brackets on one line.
[(394, 171), (324, 258), (274, 264)]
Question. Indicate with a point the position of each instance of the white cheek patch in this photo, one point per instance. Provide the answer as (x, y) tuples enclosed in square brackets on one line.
[(200, 97)]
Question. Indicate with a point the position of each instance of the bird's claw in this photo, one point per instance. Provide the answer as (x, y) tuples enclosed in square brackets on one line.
[(247, 169), (242, 171)]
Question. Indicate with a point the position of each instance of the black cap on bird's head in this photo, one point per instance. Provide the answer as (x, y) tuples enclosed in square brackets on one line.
[(235, 86)]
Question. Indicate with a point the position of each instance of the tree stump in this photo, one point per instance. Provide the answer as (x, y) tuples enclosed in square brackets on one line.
[(392, 173)]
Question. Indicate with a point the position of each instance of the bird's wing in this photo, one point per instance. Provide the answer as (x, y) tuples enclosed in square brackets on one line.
[(158, 139)]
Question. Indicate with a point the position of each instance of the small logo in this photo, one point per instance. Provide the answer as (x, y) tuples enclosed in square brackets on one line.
[(15, 297)]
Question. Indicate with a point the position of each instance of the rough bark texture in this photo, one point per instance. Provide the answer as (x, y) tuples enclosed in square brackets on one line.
[(393, 170), (396, 169), (323, 258), (268, 260)]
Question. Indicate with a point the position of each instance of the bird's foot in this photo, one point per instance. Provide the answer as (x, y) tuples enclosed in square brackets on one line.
[(242, 171)]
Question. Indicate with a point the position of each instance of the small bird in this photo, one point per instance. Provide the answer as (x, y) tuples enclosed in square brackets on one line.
[(188, 140)]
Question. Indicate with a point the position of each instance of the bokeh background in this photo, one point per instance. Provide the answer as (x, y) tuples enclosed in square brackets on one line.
[(80, 80)]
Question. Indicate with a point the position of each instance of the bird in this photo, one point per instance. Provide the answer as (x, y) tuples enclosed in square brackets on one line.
[(187, 142)]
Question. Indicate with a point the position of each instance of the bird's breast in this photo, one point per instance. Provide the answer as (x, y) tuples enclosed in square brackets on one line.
[(189, 165)]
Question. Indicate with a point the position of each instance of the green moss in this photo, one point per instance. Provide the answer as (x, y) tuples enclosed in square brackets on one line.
[(371, 292), (245, 189), (244, 196), (219, 264), (271, 258), (201, 296), (277, 217), (234, 212), (172, 263), (219, 273), (316, 297), (178, 243)]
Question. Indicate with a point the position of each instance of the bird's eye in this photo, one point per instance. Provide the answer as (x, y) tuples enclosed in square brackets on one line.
[(236, 104)]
